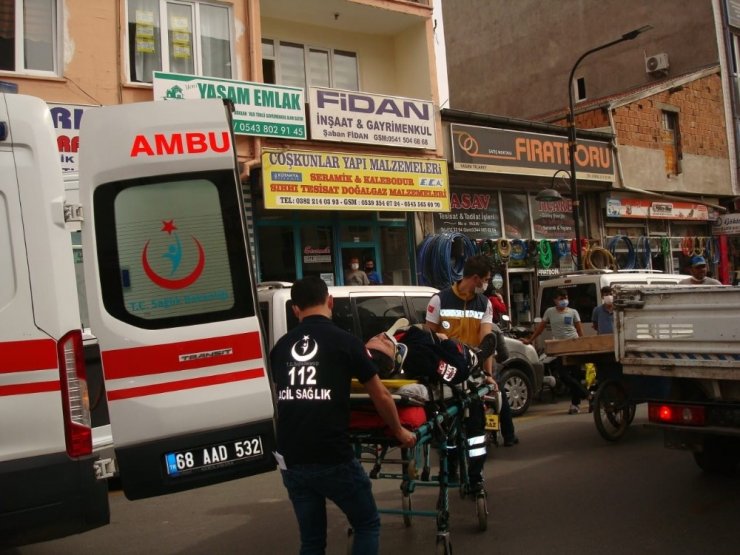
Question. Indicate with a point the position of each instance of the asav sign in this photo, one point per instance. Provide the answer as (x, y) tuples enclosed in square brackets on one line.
[(259, 109), (358, 117), (303, 180)]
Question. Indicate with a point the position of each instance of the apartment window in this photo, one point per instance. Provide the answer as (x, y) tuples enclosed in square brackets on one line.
[(297, 65), (671, 142), (580, 89), (28, 36), (178, 37)]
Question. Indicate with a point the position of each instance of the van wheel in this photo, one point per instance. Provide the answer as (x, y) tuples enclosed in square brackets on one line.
[(518, 390), (719, 456)]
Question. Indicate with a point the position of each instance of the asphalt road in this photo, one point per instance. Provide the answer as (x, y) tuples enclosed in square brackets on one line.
[(561, 490)]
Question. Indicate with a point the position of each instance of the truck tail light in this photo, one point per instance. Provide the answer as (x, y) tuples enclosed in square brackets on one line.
[(671, 413), (75, 400)]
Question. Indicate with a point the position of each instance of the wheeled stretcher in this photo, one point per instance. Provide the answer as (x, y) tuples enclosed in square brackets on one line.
[(439, 423)]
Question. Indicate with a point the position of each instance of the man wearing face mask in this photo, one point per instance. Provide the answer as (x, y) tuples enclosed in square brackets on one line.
[(566, 324), (355, 276), (602, 318), (464, 313)]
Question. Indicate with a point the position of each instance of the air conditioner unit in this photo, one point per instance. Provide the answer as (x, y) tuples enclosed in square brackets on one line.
[(657, 63)]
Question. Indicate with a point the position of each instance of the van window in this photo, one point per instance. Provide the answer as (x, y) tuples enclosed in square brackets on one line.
[(171, 252), (581, 297), (341, 315), (419, 308), (377, 314)]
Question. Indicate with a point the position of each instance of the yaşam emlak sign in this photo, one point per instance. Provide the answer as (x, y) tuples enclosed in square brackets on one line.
[(485, 149), (358, 117), (303, 180), (259, 109)]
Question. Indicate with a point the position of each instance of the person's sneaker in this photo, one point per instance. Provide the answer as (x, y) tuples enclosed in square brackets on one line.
[(511, 442), (574, 409), (476, 489), (487, 346)]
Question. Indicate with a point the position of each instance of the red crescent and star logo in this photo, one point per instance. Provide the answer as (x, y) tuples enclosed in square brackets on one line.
[(174, 255)]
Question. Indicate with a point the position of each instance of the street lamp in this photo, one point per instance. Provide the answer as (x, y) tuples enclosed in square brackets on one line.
[(552, 194), (572, 134)]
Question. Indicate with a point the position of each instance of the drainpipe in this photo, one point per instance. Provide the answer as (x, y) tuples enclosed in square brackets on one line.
[(618, 163)]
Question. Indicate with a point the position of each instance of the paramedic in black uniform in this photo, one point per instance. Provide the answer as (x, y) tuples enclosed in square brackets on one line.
[(312, 367)]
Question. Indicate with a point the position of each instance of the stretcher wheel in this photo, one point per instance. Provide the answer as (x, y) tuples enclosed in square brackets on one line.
[(444, 545), (406, 506), (613, 410), (482, 511)]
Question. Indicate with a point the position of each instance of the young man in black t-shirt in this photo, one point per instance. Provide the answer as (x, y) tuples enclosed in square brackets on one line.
[(312, 367)]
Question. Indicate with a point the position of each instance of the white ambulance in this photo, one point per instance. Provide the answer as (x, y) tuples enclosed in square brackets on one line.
[(171, 299)]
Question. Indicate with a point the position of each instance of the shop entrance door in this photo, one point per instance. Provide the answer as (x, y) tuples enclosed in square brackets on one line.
[(521, 296), (362, 253)]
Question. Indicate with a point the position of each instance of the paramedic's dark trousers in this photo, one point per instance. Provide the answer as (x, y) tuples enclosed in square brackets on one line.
[(348, 486), (475, 432)]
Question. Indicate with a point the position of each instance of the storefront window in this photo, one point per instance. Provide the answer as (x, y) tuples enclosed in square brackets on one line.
[(474, 213), (276, 250), (356, 233), (553, 219), (516, 216), (394, 248), (317, 252)]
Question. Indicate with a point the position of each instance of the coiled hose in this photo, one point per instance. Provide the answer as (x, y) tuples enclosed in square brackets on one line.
[(437, 265), (612, 246), (599, 258), (545, 251)]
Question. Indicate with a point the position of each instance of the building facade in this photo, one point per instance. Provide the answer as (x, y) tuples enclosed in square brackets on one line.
[(337, 129)]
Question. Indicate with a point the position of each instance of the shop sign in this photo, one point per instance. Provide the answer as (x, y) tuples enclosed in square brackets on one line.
[(259, 109), (553, 219), (486, 149), (358, 117), (305, 180), (312, 255), (659, 210), (727, 224), (474, 213), (67, 119)]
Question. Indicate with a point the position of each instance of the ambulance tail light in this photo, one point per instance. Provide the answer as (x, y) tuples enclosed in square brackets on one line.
[(682, 415), (75, 400)]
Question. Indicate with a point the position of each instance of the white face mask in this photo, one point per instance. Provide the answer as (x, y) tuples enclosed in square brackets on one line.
[(482, 288), (355, 266), (608, 299), (563, 303)]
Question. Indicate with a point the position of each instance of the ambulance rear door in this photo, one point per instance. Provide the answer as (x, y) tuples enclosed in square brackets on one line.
[(171, 297)]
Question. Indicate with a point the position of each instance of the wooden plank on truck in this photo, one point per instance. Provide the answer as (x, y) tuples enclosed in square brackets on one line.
[(580, 345)]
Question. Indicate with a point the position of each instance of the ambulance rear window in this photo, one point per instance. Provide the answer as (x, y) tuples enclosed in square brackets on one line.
[(172, 251)]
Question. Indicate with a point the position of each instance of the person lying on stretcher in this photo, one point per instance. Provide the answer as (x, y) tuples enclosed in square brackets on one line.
[(415, 352)]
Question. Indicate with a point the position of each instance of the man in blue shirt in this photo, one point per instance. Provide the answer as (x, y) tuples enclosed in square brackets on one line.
[(602, 318)]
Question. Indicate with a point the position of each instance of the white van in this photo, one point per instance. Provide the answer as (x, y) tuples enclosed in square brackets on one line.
[(171, 299), (584, 291), (366, 310)]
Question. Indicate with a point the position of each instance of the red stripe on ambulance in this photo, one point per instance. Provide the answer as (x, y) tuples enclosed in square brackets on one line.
[(180, 143), (186, 355), (180, 385), (25, 356), (28, 388)]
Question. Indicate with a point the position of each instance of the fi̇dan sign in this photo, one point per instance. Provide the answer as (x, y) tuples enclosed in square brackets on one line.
[(356, 117), (319, 180)]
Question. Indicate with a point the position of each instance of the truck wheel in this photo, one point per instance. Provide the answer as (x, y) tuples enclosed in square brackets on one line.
[(518, 390), (613, 411), (719, 456)]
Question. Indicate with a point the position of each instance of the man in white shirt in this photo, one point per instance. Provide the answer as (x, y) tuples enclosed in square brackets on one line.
[(699, 273)]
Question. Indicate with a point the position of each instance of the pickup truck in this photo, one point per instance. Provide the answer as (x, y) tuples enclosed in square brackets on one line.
[(690, 334)]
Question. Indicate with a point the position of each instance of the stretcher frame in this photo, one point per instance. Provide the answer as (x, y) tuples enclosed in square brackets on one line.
[(445, 428)]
